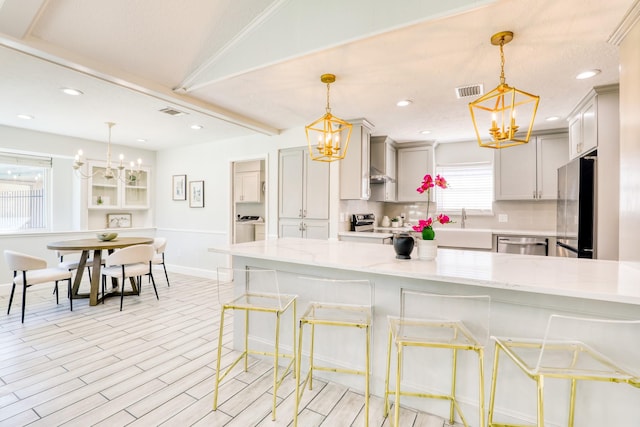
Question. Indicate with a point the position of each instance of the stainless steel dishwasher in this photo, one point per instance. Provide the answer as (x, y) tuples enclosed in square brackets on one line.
[(523, 245)]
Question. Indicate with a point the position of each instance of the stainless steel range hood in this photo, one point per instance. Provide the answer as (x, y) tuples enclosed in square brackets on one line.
[(377, 171), (376, 176)]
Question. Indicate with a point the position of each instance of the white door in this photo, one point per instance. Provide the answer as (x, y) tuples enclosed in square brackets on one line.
[(316, 229), (316, 194), (290, 228), (291, 183)]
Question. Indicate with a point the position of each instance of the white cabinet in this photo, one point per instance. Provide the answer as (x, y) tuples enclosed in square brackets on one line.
[(129, 189), (530, 171), (593, 120), (413, 164), (303, 195), (583, 129), (305, 228), (259, 231), (354, 168), (246, 187), (383, 169), (247, 182)]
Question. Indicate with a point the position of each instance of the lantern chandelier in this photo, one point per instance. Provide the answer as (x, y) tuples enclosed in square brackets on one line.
[(494, 114), (328, 137), (109, 172)]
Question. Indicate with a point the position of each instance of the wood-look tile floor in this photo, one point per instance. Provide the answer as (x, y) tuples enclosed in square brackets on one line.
[(151, 364)]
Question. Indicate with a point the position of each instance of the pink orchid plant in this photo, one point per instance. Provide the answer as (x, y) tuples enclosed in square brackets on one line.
[(425, 225)]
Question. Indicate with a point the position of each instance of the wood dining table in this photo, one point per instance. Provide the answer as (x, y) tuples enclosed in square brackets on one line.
[(97, 246)]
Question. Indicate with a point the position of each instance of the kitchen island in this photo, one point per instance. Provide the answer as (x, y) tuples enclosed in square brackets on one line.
[(525, 291)]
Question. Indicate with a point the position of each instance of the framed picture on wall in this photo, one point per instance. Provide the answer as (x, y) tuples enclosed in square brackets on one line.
[(119, 220), (196, 194), (179, 187)]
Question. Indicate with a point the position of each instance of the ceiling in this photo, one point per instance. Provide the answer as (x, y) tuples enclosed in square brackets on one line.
[(255, 69)]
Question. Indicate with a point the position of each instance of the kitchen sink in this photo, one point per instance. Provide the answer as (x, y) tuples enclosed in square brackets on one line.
[(464, 238)]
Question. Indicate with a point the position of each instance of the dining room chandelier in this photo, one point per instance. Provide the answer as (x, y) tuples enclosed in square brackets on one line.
[(494, 113), (328, 137), (109, 172)]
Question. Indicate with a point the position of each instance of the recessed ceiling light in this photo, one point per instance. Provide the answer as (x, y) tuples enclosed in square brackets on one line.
[(141, 140), (71, 91), (404, 103), (196, 127), (587, 74), (425, 132), (552, 118), (25, 116)]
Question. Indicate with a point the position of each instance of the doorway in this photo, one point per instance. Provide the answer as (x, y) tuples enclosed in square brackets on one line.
[(249, 200)]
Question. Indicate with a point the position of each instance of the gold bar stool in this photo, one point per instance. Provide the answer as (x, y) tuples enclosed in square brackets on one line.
[(452, 323), (261, 294), (338, 303), (575, 349)]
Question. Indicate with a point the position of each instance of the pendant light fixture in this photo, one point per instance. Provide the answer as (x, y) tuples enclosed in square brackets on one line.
[(328, 137), (109, 172), (494, 114)]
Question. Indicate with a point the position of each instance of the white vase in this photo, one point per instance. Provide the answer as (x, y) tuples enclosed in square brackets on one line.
[(427, 249)]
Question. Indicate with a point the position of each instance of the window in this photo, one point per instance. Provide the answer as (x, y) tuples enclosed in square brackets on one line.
[(24, 192), (470, 187)]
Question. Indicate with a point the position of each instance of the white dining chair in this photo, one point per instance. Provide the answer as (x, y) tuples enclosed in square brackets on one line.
[(160, 244), (34, 271), (132, 263), (73, 263)]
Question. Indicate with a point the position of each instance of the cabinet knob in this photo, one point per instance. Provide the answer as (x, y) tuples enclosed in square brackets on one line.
[(300, 213), (304, 213)]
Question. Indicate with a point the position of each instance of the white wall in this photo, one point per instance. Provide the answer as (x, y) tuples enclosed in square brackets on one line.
[(191, 231), (629, 250)]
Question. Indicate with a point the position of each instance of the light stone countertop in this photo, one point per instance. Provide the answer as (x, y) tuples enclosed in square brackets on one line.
[(598, 280)]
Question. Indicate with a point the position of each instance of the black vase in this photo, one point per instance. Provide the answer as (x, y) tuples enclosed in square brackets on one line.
[(403, 245)]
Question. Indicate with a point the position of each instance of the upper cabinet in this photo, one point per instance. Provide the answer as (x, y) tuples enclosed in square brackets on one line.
[(303, 209), (530, 171), (413, 164), (247, 182), (354, 168), (592, 119), (304, 186), (130, 191), (383, 169)]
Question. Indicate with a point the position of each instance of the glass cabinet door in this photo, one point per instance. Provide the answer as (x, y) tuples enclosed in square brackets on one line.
[(136, 188), (103, 192), (129, 188)]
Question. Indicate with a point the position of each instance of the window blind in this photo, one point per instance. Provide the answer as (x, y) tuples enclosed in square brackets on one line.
[(470, 187)]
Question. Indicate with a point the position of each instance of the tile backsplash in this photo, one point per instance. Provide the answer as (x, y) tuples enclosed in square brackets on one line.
[(539, 215)]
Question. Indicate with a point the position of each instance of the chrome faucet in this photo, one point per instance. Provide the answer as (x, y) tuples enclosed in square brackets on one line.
[(463, 217)]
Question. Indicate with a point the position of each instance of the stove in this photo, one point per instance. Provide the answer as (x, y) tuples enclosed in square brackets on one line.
[(363, 222), (247, 218)]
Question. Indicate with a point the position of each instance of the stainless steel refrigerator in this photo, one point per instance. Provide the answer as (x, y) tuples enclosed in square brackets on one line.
[(576, 218)]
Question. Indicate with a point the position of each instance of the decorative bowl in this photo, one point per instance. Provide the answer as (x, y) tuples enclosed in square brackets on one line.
[(105, 237)]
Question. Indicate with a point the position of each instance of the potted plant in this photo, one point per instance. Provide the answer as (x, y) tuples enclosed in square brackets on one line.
[(427, 246)]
